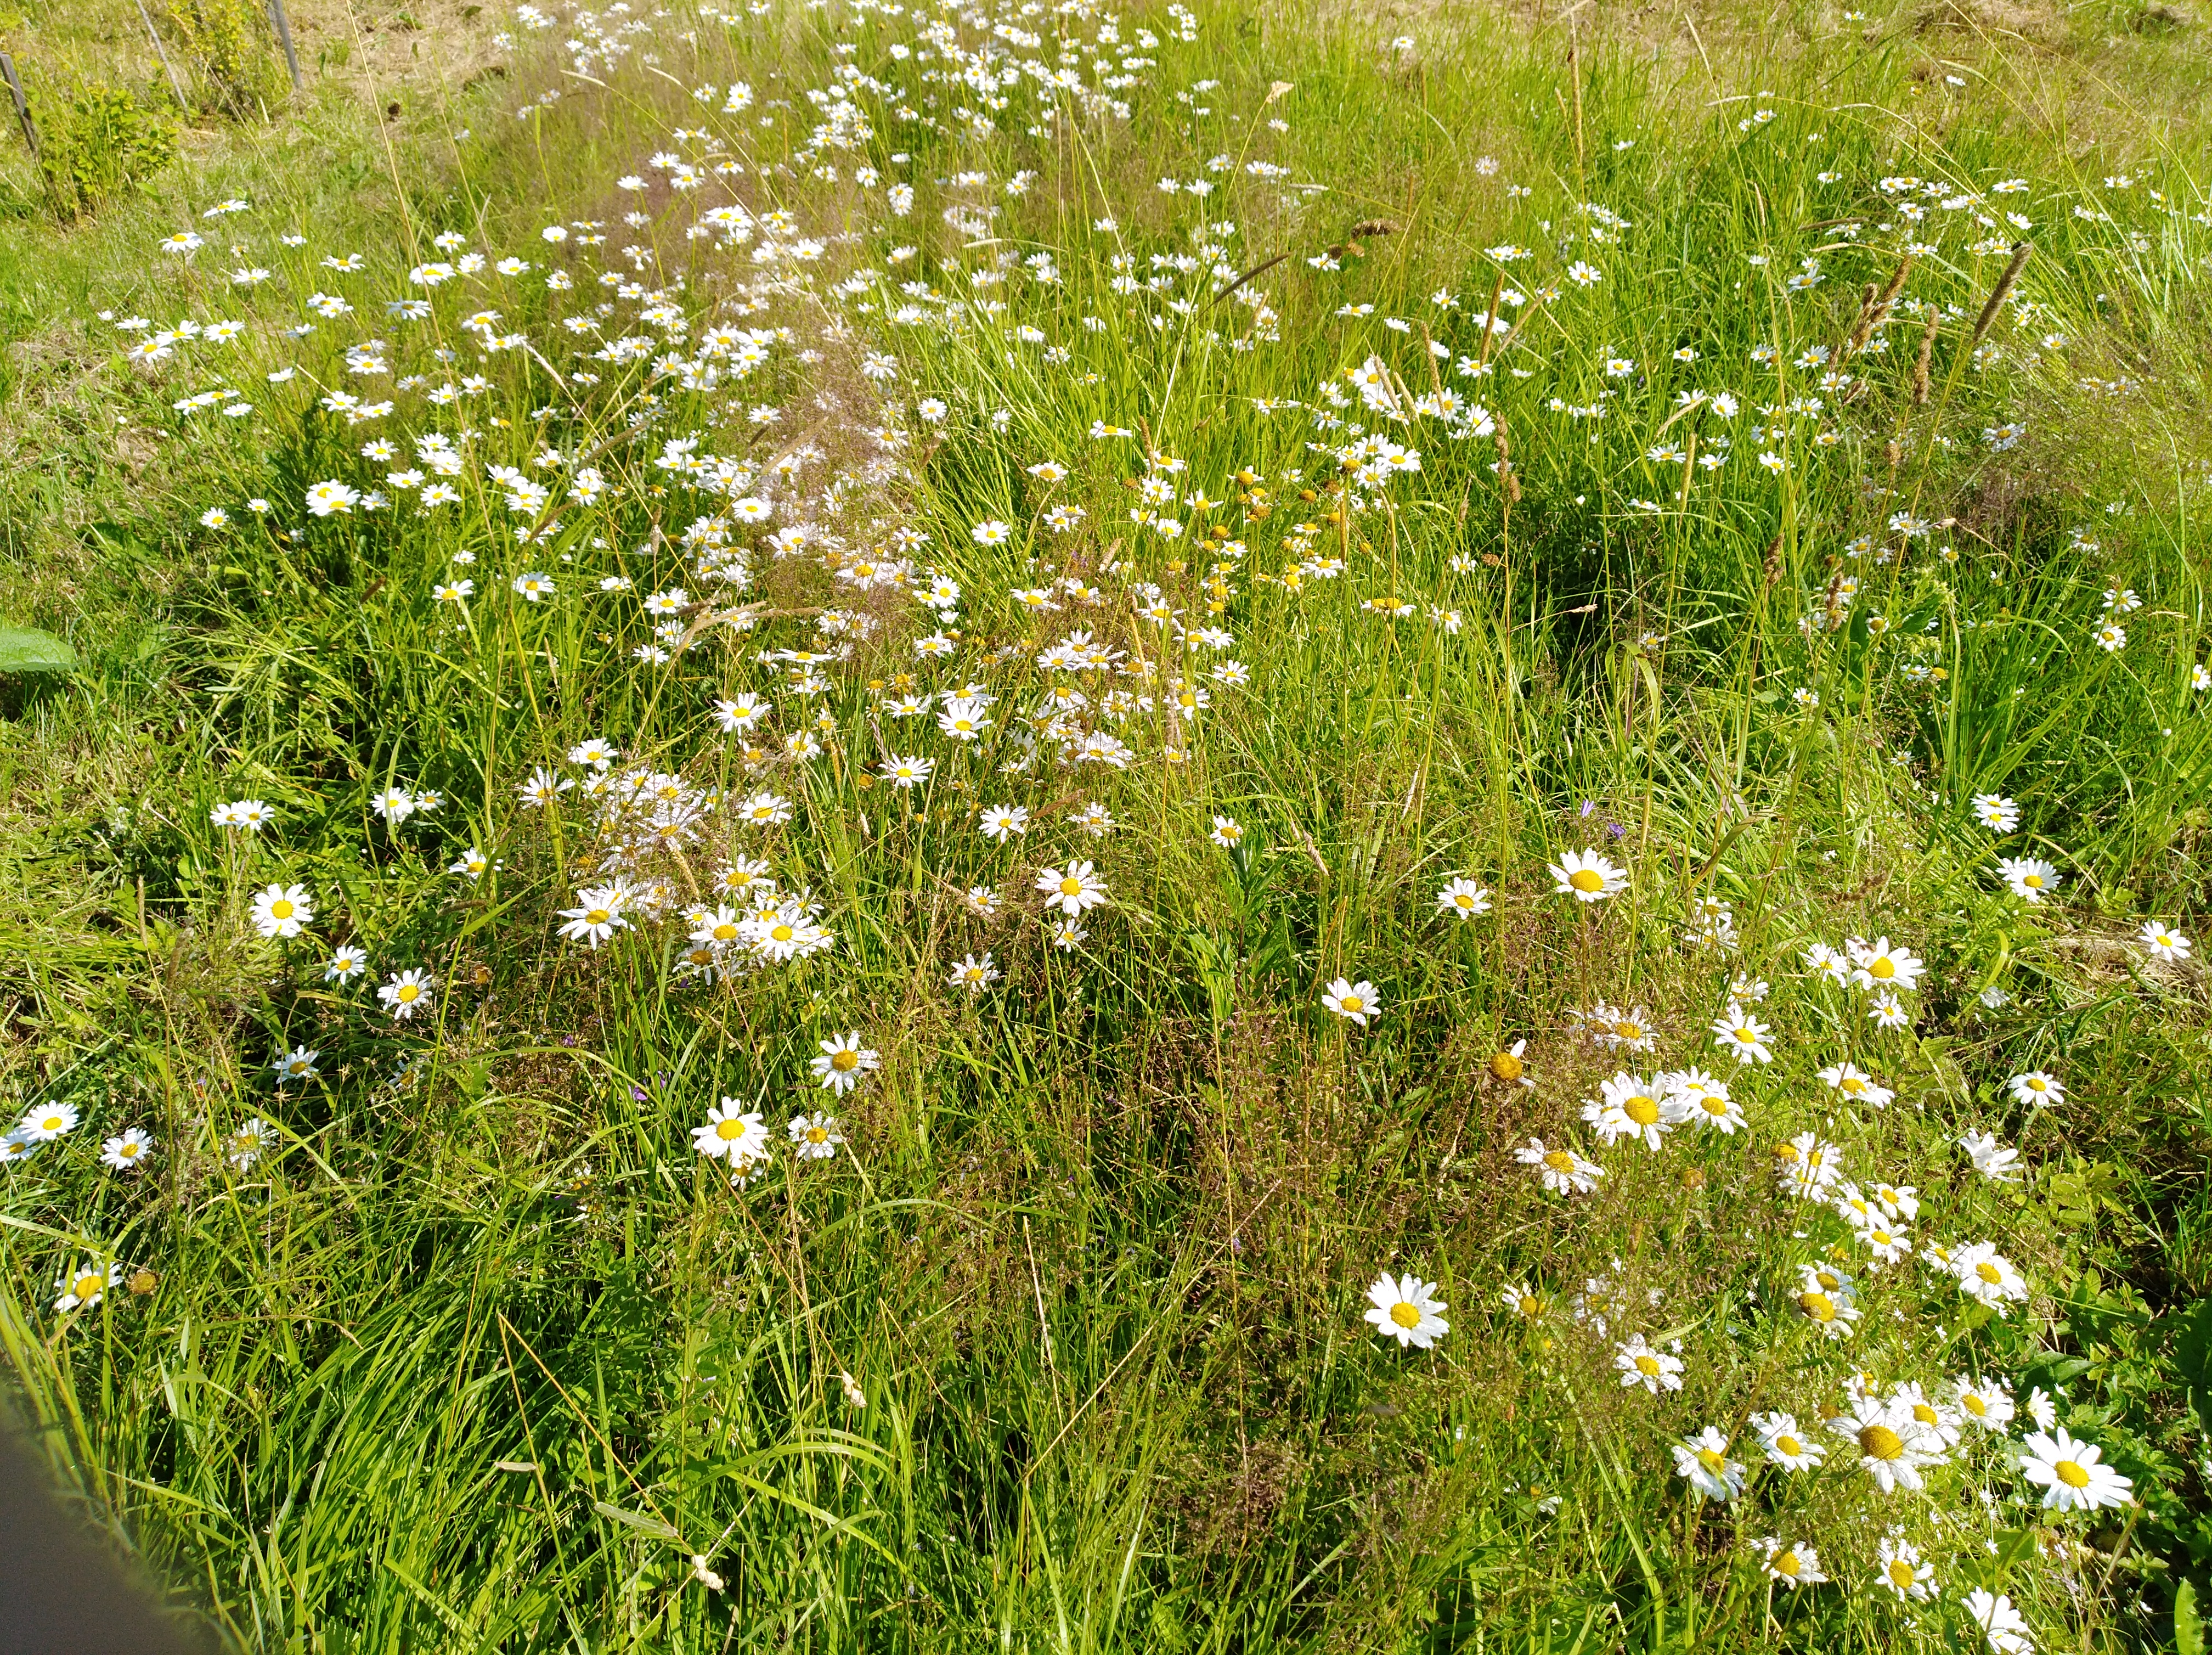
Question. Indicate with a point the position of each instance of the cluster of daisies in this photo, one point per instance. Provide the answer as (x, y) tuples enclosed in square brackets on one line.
[(2034, 879), (1894, 1436), (284, 912), (42, 1124), (1125, 658), (1892, 1440), (737, 1138), (45, 1128)]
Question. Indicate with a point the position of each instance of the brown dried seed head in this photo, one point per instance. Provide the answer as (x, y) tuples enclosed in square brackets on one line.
[(1997, 294), (1927, 351)]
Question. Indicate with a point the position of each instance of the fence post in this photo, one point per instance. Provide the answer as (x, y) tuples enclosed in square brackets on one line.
[(22, 106), (160, 51), (283, 27)]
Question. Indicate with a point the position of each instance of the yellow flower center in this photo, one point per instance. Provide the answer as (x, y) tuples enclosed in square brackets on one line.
[(1583, 878), (1641, 1109), (1828, 1279), (1974, 1405), (1989, 1273), (845, 1061), (1462, 900), (2071, 1475), (88, 1285), (1925, 1415), (1901, 1573), (1883, 969), (1711, 1460), (281, 909), (1787, 1566), (725, 931), (1880, 1442), (1789, 1445), (1648, 1366), (1071, 888), (598, 916), (1712, 1105), (1818, 1306), (1405, 1314), (782, 932), (408, 994), (817, 1135), (1749, 1037), (1352, 1005), (1627, 1031), (729, 1131), (1505, 1065), (1529, 1304), (2034, 880), (1559, 1161)]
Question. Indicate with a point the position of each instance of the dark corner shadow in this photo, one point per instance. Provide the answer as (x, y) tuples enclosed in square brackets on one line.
[(63, 1588)]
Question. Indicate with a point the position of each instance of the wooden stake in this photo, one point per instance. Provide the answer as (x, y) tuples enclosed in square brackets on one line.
[(283, 28), (175, 85), (22, 106)]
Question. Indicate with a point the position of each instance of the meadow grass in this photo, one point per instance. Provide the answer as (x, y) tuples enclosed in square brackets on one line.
[(1538, 437)]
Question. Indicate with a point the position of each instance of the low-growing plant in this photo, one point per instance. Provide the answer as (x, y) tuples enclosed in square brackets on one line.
[(229, 43), (100, 141)]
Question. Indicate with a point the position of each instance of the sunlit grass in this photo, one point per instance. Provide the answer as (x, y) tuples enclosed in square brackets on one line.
[(1770, 529)]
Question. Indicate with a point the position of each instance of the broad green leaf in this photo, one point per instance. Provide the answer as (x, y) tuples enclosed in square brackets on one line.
[(26, 649)]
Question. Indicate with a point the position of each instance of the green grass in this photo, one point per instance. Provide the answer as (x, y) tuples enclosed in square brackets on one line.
[(478, 1352)]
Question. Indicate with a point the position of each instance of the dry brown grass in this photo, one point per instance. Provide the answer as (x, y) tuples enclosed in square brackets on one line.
[(424, 49)]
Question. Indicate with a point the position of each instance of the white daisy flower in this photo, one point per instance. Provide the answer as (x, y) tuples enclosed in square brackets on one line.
[(844, 1062), (1703, 1462), (1357, 1002), (1404, 1308), (1587, 876)]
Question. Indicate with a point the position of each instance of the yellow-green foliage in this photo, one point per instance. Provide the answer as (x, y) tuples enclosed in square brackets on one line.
[(227, 42), (98, 143)]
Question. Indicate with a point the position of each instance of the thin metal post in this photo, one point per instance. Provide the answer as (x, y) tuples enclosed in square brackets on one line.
[(23, 104), (175, 85), (283, 27)]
